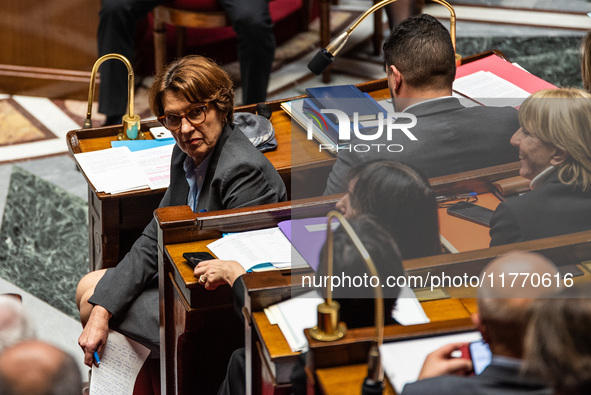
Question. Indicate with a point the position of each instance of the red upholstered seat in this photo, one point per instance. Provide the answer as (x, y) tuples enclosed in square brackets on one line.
[(219, 42)]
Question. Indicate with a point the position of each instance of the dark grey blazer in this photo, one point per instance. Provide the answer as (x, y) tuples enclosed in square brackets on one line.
[(451, 138), (238, 176), (495, 379), (552, 209)]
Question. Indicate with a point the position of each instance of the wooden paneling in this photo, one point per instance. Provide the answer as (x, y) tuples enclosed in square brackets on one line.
[(49, 41)]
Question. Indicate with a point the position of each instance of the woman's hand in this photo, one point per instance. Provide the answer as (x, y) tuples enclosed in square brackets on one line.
[(217, 272), (95, 333)]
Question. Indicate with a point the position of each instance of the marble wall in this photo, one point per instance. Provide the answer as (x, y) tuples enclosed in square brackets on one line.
[(44, 240), (555, 59)]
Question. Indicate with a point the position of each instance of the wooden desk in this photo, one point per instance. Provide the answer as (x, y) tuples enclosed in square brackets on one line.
[(465, 235), (188, 311), (116, 221)]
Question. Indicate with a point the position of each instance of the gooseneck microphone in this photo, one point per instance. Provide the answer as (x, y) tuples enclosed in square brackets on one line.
[(321, 61), (326, 56)]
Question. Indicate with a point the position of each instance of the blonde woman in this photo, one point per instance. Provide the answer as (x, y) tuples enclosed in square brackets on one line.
[(554, 143)]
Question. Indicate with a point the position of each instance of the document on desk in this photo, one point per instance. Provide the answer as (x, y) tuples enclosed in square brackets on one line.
[(489, 89), (254, 248), (296, 314), (112, 170), (155, 163), (120, 364), (117, 170), (403, 360), (307, 236)]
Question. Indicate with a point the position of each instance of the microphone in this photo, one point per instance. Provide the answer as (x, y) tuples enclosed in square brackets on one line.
[(321, 61), (329, 329), (326, 56), (374, 382), (131, 121)]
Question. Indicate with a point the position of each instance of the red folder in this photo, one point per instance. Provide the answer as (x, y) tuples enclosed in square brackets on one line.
[(507, 71)]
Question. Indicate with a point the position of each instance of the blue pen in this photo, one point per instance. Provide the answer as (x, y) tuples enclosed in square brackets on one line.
[(96, 358)]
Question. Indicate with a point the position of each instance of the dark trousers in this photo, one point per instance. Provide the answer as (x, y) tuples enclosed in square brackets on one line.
[(251, 21)]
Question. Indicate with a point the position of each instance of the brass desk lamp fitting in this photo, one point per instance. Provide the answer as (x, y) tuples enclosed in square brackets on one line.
[(131, 122), (326, 55), (329, 328)]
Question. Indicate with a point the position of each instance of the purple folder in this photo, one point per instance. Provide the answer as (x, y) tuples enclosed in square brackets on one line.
[(307, 236)]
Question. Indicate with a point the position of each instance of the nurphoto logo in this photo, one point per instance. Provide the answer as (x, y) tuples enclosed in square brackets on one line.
[(391, 126)]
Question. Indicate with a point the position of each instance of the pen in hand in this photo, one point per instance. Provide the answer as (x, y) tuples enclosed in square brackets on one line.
[(96, 358)]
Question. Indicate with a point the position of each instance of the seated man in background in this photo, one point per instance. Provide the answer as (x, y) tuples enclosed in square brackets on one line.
[(15, 326), (502, 319), (38, 368), (450, 138), (118, 19), (557, 344)]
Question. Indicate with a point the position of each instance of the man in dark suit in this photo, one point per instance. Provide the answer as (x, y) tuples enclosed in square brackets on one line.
[(503, 316), (450, 138)]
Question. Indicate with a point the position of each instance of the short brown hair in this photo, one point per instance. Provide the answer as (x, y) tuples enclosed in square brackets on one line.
[(421, 49), (199, 80)]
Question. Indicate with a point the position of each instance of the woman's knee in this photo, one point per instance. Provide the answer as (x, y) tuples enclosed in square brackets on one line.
[(86, 286)]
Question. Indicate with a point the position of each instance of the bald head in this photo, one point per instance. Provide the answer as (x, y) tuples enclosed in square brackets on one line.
[(505, 266), (504, 309), (38, 368), (14, 324)]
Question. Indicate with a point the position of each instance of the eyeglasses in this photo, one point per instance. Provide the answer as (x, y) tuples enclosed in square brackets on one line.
[(195, 115)]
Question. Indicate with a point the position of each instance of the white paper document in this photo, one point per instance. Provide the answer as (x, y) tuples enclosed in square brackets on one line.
[(408, 310), (112, 170), (296, 314), (255, 247), (403, 360), (117, 170), (155, 163), (490, 90), (120, 364)]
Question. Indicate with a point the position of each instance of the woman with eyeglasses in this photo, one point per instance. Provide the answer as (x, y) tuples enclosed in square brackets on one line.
[(214, 167)]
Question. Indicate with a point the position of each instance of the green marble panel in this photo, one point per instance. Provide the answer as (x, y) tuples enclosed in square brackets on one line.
[(554, 59), (44, 240)]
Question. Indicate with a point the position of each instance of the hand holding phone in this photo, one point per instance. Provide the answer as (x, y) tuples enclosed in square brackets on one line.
[(193, 258), (479, 353)]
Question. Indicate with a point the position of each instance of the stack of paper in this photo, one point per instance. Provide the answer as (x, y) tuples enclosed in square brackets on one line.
[(489, 89), (402, 360), (117, 170), (296, 314), (265, 246), (293, 316), (121, 362)]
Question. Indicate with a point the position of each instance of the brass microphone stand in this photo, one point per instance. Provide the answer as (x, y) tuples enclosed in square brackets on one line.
[(131, 122)]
